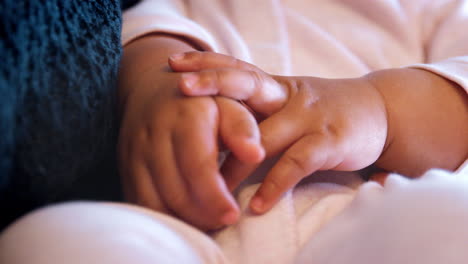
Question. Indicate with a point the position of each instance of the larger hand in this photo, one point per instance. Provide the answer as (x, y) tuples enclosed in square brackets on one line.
[(168, 143)]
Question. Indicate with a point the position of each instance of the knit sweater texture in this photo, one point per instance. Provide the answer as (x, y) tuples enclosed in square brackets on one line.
[(58, 75)]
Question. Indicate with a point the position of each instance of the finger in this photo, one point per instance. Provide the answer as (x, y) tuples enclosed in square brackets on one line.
[(278, 132), (172, 189), (198, 60), (196, 152), (259, 91), (306, 156), (144, 191), (235, 171), (138, 185), (239, 131)]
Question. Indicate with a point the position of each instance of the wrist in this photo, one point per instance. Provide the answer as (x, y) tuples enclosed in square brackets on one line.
[(146, 60), (426, 121), (376, 87)]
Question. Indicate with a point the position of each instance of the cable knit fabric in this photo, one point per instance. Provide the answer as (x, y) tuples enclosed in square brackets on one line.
[(57, 89)]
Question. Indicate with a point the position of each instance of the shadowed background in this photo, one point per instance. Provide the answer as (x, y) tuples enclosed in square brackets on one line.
[(58, 126)]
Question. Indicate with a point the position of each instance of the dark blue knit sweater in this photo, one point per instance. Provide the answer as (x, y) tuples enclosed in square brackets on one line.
[(58, 72)]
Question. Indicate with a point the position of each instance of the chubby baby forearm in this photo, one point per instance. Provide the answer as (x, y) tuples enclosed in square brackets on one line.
[(427, 119)]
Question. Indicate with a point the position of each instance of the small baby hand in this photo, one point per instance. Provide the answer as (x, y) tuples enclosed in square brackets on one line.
[(168, 149), (319, 124)]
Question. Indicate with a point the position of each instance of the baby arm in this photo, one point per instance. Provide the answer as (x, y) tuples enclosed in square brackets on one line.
[(428, 121), (408, 120), (168, 143)]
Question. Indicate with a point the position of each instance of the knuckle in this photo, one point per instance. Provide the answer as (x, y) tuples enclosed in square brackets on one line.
[(191, 108), (300, 163), (133, 146), (292, 86), (331, 130), (220, 75), (299, 85), (237, 64), (194, 56), (202, 107), (257, 78), (240, 64), (276, 185)]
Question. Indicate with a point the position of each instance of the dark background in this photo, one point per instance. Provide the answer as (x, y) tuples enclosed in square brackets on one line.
[(58, 127)]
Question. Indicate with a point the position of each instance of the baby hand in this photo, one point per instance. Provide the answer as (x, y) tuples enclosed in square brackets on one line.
[(319, 124), (168, 149)]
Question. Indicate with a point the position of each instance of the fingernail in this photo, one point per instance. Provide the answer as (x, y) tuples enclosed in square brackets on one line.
[(190, 79), (229, 218), (257, 204), (176, 57)]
